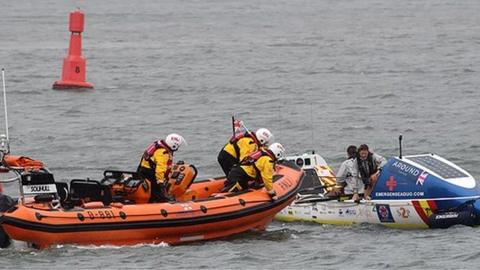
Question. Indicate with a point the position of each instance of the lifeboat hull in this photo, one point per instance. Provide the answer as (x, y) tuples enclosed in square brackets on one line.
[(206, 217)]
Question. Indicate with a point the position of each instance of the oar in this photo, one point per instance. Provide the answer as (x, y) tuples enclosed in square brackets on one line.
[(317, 187)]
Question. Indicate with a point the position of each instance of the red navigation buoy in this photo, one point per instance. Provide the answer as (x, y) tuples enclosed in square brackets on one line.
[(74, 71)]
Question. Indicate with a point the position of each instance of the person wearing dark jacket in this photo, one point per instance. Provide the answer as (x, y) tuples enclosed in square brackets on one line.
[(369, 167)]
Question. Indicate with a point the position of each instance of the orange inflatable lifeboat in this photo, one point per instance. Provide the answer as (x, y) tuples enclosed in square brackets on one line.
[(114, 211)]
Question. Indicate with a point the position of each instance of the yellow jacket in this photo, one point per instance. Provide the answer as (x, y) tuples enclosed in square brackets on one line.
[(163, 162), (266, 166), (246, 145)]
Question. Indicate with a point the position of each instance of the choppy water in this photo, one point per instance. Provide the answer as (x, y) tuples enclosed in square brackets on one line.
[(320, 74)]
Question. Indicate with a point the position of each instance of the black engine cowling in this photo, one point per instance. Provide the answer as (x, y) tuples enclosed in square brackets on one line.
[(462, 215)]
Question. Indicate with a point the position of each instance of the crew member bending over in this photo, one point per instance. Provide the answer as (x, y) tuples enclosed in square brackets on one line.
[(241, 146), (156, 164), (369, 166), (258, 166)]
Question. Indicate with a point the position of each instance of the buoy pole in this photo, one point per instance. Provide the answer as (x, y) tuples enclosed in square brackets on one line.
[(74, 65)]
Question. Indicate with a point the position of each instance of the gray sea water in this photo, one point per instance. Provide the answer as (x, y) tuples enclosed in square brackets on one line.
[(320, 74)]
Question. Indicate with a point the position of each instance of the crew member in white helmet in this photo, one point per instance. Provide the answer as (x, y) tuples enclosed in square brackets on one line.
[(258, 166), (242, 145), (156, 164)]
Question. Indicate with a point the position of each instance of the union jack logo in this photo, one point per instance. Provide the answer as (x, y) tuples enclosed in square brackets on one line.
[(421, 178)]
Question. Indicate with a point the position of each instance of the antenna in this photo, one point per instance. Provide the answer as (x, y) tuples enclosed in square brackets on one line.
[(5, 144), (400, 145), (311, 126), (279, 125)]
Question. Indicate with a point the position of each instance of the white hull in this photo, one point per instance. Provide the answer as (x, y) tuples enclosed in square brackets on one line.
[(406, 214)]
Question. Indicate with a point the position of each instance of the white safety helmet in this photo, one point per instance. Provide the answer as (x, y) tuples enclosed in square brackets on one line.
[(277, 149), (174, 141), (264, 136)]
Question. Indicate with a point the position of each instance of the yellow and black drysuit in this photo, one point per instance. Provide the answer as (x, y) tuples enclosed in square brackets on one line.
[(258, 166), (155, 166), (236, 150)]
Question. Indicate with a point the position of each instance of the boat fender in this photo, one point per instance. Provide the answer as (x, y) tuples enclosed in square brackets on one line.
[(93, 205), (464, 215), (117, 204)]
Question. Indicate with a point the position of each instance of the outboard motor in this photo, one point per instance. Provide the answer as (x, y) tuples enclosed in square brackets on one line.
[(464, 214), (40, 185)]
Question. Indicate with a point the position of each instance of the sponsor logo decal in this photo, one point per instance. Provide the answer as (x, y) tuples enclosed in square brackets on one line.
[(447, 215), (391, 183), (403, 212), (384, 213), (39, 189), (350, 212)]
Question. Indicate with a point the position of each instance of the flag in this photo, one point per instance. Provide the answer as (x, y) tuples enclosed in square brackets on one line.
[(239, 127), (421, 178)]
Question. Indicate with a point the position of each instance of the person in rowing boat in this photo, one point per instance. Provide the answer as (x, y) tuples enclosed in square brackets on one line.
[(156, 163), (258, 166), (241, 145), (369, 166), (348, 177)]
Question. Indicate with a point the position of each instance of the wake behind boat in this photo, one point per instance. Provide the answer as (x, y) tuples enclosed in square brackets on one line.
[(418, 191)]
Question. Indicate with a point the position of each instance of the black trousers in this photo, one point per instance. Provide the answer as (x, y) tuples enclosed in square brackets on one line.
[(236, 175), (226, 161)]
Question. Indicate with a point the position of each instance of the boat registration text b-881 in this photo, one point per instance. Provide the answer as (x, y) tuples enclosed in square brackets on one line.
[(103, 214)]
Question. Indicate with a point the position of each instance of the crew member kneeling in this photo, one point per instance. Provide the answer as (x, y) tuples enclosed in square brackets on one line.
[(156, 164), (258, 166), (241, 146)]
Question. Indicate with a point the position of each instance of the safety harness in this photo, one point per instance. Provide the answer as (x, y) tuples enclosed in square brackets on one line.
[(251, 159), (234, 141), (148, 154), (365, 173)]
